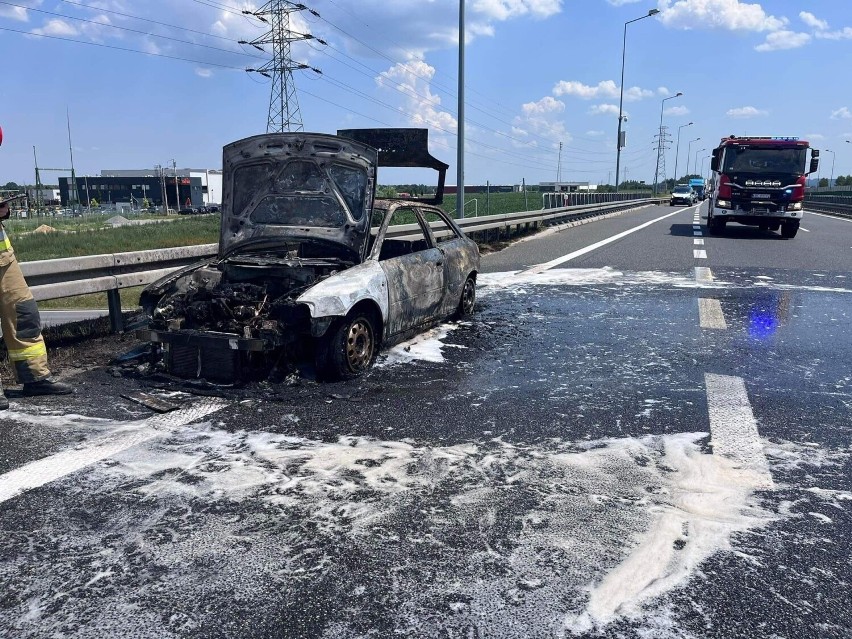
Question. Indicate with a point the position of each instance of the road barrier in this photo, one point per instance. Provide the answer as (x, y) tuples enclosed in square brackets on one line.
[(839, 205), (69, 277)]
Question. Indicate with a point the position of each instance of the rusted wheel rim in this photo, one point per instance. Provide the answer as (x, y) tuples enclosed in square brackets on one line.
[(359, 345), (468, 297)]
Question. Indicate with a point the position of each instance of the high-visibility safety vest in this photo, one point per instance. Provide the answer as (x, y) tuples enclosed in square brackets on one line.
[(5, 244)]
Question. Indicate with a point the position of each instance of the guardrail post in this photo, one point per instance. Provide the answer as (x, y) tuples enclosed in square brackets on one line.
[(115, 317)]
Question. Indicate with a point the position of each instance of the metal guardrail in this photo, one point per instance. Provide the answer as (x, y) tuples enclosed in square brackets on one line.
[(68, 277), (839, 205)]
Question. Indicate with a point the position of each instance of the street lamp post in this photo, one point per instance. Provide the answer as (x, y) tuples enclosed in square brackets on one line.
[(688, 152), (695, 163), (702, 164), (660, 143), (833, 158), (618, 143), (677, 148)]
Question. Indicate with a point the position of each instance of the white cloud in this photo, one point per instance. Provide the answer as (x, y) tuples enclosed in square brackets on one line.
[(718, 14), (57, 27), (203, 73), (412, 80), (15, 13), (621, 3), (746, 112), (779, 40), (663, 91), (603, 89), (594, 134), (812, 21), (842, 113), (814, 136), (842, 34), (677, 110), (506, 9), (604, 109), (545, 105), (542, 119)]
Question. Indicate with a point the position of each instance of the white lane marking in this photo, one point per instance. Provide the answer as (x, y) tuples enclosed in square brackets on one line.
[(802, 228), (830, 217), (588, 249), (44, 471), (733, 428), (710, 314), (696, 227), (698, 233), (698, 242), (699, 254), (703, 274)]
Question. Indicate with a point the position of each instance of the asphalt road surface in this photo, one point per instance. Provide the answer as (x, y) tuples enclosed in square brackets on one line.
[(644, 431)]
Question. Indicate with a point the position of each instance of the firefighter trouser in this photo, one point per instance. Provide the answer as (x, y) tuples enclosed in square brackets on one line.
[(21, 323)]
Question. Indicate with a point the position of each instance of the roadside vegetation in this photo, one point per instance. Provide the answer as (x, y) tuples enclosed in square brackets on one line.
[(96, 241)]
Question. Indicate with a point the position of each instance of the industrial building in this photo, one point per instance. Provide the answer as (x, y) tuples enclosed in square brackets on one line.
[(175, 188)]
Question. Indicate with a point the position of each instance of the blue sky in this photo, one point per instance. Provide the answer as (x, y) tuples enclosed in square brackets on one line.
[(538, 72)]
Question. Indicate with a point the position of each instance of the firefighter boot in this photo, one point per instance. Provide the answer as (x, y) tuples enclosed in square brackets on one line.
[(47, 386)]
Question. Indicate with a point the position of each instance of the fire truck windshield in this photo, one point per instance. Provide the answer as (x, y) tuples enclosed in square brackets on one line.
[(748, 159)]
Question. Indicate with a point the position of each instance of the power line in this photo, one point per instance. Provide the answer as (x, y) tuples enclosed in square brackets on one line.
[(128, 29), (135, 17), (111, 46)]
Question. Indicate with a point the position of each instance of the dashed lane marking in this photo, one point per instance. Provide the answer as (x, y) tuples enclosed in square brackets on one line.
[(733, 428), (710, 314), (696, 227), (699, 254), (698, 242), (802, 228), (703, 274), (588, 249), (44, 471), (697, 233)]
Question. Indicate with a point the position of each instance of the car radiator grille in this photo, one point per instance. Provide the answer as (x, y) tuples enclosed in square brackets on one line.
[(220, 364)]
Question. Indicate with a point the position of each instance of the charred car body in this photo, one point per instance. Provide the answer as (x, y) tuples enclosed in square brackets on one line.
[(307, 266)]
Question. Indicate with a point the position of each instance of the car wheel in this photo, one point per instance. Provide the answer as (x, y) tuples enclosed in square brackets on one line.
[(789, 230), (775, 226), (348, 348), (763, 227), (468, 298)]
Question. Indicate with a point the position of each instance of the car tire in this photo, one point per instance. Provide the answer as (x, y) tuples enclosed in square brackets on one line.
[(775, 226), (789, 230), (468, 299), (763, 227), (348, 348)]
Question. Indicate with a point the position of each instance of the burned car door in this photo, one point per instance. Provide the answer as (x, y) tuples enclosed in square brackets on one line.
[(459, 260), (415, 273)]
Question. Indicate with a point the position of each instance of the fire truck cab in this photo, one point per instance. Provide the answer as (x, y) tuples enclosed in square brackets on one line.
[(760, 181)]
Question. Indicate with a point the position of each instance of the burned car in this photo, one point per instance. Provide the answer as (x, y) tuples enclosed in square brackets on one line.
[(310, 265)]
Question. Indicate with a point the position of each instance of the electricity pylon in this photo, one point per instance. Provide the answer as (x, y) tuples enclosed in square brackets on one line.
[(663, 140), (284, 113)]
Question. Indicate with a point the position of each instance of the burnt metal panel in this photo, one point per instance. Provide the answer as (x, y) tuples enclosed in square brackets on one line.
[(407, 148), (263, 158)]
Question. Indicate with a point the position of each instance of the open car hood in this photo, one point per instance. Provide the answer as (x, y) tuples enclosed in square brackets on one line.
[(309, 189)]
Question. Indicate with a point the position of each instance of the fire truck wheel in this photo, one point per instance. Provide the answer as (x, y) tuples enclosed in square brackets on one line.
[(789, 230)]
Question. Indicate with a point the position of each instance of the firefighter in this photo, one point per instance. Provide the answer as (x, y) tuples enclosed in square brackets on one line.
[(21, 325)]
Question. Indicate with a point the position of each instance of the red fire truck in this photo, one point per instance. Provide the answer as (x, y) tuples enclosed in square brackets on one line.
[(760, 181)]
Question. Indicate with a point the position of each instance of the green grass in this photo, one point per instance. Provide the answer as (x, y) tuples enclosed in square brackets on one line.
[(129, 300), (88, 241), (494, 203)]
